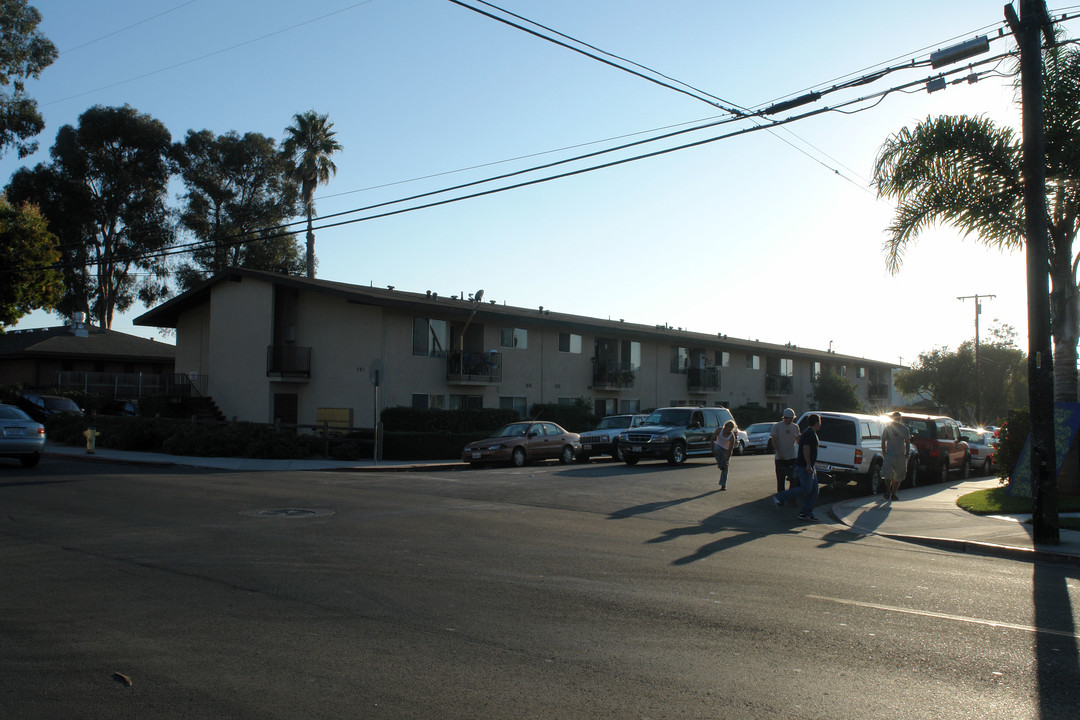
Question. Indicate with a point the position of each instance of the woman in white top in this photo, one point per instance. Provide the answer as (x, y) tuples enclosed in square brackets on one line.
[(723, 444)]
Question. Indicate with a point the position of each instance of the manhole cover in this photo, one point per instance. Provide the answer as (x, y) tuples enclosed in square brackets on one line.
[(288, 513)]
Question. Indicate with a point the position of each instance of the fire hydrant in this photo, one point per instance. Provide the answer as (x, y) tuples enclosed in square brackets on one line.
[(90, 434)]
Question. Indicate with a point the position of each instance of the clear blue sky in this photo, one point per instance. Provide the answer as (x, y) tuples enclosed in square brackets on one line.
[(770, 236)]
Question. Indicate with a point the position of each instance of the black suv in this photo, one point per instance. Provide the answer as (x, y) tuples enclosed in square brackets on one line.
[(673, 434)]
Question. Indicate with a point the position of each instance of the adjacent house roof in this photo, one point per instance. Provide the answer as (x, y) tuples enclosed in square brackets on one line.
[(94, 343), (166, 314)]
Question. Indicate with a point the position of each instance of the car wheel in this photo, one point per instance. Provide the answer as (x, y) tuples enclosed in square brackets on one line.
[(618, 453), (943, 471), (986, 467), (567, 456), (30, 460), (518, 457), (874, 477), (739, 448), (583, 457), (913, 473), (965, 469), (769, 448), (630, 459), (678, 454)]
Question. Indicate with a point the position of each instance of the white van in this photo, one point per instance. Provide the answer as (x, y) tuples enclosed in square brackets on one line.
[(849, 449)]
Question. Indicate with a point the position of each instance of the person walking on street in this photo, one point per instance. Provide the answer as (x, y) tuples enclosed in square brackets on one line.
[(723, 445), (785, 437), (895, 445), (804, 470)]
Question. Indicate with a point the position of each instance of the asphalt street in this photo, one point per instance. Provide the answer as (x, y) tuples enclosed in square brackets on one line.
[(580, 591)]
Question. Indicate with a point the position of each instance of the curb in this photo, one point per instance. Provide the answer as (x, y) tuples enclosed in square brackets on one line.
[(971, 547)]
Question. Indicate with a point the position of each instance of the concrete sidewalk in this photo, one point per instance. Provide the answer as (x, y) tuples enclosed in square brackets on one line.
[(70, 452), (926, 515), (929, 516)]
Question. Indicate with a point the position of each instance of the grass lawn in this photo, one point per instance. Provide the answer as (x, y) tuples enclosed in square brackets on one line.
[(994, 501)]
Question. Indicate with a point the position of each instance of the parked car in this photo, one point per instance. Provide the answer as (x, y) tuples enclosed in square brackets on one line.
[(601, 439), (123, 408), (757, 438), (521, 443), (849, 449), (42, 407), (21, 437), (740, 446), (941, 448), (982, 448), (673, 434)]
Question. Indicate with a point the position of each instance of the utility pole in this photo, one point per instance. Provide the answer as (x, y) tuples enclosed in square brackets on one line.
[(978, 393), (1028, 28)]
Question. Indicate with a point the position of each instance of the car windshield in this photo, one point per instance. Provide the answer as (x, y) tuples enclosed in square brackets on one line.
[(58, 404), (677, 416), (759, 428), (614, 422), (512, 430)]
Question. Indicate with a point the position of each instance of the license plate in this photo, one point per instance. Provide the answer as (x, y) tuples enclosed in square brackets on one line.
[(13, 431), (475, 455), (822, 467), (586, 447), (635, 448)]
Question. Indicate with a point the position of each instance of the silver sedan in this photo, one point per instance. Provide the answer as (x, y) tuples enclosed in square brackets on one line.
[(21, 437)]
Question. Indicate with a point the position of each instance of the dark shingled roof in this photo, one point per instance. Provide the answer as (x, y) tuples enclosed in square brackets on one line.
[(97, 344)]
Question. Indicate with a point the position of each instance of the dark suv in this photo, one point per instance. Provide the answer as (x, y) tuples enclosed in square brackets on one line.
[(673, 434), (941, 447)]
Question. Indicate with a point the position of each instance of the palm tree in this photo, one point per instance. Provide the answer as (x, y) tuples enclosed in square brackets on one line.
[(967, 172), (307, 147)]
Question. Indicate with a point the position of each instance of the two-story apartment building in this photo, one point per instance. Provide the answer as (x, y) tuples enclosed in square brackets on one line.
[(270, 346)]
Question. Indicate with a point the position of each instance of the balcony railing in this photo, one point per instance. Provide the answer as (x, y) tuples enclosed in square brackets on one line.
[(879, 390), (130, 386), (610, 375), (778, 385), (703, 379), (474, 367), (288, 361)]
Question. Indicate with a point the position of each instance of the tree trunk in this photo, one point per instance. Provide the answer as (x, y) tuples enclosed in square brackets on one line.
[(310, 245), (1065, 314)]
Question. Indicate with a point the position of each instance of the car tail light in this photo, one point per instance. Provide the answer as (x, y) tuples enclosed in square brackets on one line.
[(41, 430), (858, 456), (974, 451)]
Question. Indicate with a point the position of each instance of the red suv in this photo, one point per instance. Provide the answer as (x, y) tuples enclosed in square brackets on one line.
[(940, 445)]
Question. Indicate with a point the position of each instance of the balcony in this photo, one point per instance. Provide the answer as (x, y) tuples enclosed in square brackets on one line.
[(703, 380), (878, 390), (288, 362), (611, 375), (473, 368), (778, 385)]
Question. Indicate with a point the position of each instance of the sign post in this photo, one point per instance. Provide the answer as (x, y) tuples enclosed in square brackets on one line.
[(377, 375)]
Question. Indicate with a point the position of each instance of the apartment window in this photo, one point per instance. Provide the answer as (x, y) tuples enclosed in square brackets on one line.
[(465, 402), (787, 367), (570, 343), (842, 370), (605, 406), (724, 358), (753, 362), (860, 372), (680, 359), (428, 402), (513, 338), (507, 402), (817, 370), (429, 337), (631, 353), (629, 406)]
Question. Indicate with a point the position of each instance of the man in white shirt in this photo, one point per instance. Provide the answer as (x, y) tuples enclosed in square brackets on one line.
[(785, 440)]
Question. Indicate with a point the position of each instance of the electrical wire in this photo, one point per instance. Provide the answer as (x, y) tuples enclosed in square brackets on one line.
[(268, 233), (126, 28)]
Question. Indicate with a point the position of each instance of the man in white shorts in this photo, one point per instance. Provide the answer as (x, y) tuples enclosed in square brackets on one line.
[(895, 443)]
